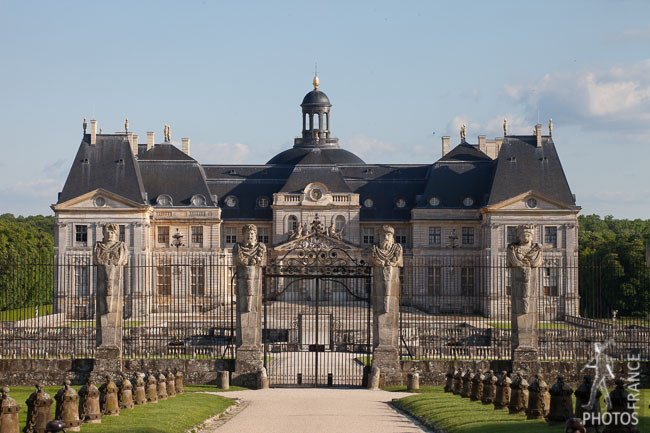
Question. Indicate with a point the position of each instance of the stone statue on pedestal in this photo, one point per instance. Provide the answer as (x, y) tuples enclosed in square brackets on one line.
[(249, 257), (387, 258), (110, 256), (524, 257)]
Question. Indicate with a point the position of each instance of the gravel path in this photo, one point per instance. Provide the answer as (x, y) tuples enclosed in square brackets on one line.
[(316, 410)]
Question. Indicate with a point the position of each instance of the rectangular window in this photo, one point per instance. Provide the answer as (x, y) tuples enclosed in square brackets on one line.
[(435, 236), (81, 280), (368, 235), (122, 233), (467, 281), (433, 280), (550, 282), (197, 280), (163, 235), (263, 235), (468, 236), (550, 237), (400, 236), (164, 283), (511, 235), (81, 234), (197, 236), (231, 236)]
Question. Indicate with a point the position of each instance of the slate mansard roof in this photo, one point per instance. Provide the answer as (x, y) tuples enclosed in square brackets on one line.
[(464, 172)]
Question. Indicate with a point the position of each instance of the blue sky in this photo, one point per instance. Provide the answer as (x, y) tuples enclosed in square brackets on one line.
[(231, 75)]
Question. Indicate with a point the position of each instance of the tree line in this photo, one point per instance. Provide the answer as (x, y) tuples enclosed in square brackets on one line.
[(613, 273)]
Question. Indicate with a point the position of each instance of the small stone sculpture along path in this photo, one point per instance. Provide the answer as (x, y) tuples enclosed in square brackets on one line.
[(316, 410)]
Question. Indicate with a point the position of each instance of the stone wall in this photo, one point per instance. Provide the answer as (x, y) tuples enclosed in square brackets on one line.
[(432, 372), (27, 372)]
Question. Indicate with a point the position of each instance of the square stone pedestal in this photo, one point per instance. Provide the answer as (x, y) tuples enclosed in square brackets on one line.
[(108, 361), (248, 362), (386, 358), (525, 359)]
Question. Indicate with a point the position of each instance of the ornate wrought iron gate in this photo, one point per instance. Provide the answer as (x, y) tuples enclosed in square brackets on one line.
[(317, 318)]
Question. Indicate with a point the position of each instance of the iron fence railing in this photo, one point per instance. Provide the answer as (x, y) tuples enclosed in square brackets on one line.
[(183, 305), (459, 307)]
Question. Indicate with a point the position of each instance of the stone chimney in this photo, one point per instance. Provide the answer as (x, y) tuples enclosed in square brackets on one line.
[(538, 134), (185, 144), (150, 140), (482, 145), (445, 145), (93, 132), (133, 140)]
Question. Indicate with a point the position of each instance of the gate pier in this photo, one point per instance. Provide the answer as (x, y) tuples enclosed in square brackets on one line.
[(249, 257), (387, 259)]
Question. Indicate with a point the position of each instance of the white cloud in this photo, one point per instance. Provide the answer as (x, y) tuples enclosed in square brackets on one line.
[(364, 146), (40, 188), (220, 153), (612, 98), (636, 34)]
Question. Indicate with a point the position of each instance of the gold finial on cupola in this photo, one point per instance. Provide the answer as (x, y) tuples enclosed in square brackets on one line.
[(316, 83), (85, 125)]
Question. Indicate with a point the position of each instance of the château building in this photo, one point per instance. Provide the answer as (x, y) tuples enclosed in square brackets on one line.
[(454, 216)]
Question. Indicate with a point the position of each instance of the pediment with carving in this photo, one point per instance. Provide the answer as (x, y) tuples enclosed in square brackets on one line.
[(316, 251)]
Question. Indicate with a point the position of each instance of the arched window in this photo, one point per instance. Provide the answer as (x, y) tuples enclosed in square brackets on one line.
[(292, 223), (339, 223), (316, 121)]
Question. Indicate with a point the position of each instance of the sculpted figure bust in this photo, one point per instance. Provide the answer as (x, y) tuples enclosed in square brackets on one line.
[(250, 252), (250, 256), (523, 255), (111, 256), (388, 252)]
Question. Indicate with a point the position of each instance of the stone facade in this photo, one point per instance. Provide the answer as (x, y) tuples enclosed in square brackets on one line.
[(459, 210)]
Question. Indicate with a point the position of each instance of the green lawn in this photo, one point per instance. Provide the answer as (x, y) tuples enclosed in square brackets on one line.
[(24, 313), (460, 415), (174, 415)]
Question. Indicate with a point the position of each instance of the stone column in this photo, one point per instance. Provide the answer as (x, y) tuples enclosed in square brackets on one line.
[(110, 256), (524, 257), (249, 257), (387, 259)]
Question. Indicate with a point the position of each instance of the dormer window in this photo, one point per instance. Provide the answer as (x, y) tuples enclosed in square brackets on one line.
[(198, 200), (400, 203), (468, 201), (164, 200), (434, 201), (263, 202), (368, 202)]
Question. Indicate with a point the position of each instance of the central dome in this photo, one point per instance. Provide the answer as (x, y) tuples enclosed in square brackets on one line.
[(298, 155), (316, 97)]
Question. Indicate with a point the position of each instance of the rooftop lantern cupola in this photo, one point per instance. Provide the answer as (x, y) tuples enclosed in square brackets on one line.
[(316, 120)]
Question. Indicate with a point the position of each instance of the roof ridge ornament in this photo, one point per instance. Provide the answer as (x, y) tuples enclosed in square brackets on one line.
[(463, 132), (550, 126), (505, 126), (85, 125)]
